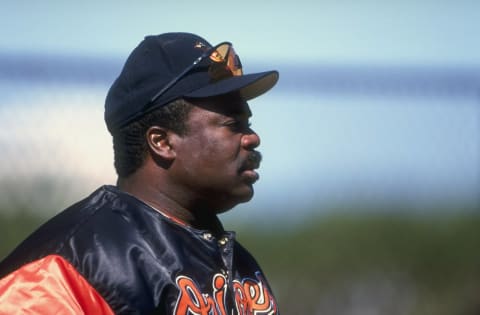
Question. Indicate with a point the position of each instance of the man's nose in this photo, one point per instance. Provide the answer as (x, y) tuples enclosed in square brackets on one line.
[(250, 140)]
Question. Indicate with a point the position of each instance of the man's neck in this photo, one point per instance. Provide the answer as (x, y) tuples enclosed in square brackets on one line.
[(182, 211)]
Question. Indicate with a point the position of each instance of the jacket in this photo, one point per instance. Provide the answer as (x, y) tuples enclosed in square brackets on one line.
[(113, 254)]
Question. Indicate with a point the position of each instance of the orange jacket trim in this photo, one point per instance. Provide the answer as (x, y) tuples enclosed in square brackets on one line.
[(50, 285)]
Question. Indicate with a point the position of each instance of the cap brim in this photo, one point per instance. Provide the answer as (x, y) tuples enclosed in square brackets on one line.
[(249, 86)]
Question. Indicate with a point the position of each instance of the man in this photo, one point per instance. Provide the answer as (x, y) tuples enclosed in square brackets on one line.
[(184, 152)]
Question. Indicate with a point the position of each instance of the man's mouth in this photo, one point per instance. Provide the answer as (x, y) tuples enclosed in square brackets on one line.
[(252, 162)]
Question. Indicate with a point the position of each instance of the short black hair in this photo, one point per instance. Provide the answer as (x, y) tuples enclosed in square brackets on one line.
[(129, 143)]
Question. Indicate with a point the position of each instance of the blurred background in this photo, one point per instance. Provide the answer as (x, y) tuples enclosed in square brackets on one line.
[(369, 199)]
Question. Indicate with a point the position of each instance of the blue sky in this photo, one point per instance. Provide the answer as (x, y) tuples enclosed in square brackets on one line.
[(342, 145), (385, 32)]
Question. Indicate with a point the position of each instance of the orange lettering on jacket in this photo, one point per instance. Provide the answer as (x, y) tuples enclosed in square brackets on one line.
[(251, 297), (192, 301)]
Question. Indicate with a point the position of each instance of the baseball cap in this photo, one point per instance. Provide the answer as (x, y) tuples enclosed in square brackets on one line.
[(166, 67)]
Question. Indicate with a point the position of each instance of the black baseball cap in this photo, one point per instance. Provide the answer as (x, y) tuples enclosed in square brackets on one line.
[(166, 67)]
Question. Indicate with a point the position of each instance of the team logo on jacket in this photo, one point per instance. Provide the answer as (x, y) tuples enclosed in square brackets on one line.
[(251, 297)]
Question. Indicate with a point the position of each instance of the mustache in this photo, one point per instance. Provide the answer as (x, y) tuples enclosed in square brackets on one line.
[(252, 161)]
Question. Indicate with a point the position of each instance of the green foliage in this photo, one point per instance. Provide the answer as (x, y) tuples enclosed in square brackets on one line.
[(14, 227), (388, 264)]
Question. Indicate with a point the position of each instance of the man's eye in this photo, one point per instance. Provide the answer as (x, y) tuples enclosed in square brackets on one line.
[(238, 125)]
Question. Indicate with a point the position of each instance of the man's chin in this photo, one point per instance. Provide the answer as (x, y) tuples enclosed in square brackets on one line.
[(240, 197)]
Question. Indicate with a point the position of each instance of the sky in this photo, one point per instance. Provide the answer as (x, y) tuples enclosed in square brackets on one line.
[(395, 115), (380, 32)]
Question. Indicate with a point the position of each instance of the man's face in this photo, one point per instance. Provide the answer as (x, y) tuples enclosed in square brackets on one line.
[(215, 159)]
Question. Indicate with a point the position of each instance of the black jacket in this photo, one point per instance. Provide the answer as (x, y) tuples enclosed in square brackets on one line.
[(112, 254)]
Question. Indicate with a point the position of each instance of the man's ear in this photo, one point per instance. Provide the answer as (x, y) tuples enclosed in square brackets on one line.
[(159, 143)]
